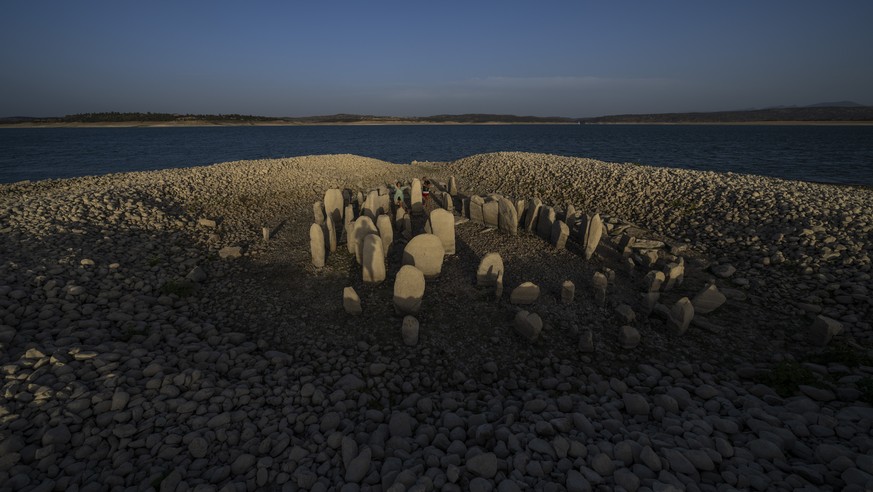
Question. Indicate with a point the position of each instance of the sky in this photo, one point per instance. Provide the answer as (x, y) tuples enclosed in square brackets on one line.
[(415, 58)]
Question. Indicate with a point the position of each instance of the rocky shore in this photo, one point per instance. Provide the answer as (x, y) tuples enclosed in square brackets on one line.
[(152, 338)]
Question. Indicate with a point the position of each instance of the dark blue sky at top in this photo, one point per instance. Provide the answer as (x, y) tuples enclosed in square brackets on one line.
[(408, 58)]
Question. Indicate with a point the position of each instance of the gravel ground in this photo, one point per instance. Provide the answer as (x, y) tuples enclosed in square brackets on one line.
[(136, 355)]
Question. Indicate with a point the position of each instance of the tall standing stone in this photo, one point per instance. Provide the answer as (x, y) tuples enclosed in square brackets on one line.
[(316, 245), (373, 205), (351, 301), (318, 213), (507, 220), (386, 232), (681, 315), (425, 252), (409, 287), (592, 230), (491, 213), (531, 214), (364, 226), (477, 212), (334, 205), (373, 265), (599, 283), (404, 223), (448, 202), (570, 216), (441, 223), (560, 233), (520, 206), (415, 197), (675, 274), (349, 217), (490, 268), (568, 291), (545, 222), (330, 229), (409, 330), (453, 185)]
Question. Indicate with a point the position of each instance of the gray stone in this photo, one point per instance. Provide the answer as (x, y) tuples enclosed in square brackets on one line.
[(483, 465), (653, 280), (208, 223), (625, 314), (409, 330), (681, 315), (545, 221), (359, 466), (491, 213), (453, 185), (316, 245), (507, 220), (823, 329), (196, 275), (415, 197), (441, 223), (373, 259), (560, 234), (425, 252), (56, 435), (568, 291), (723, 271), (230, 252), (531, 214), (351, 301), (529, 325), (628, 336), (409, 287), (364, 226), (386, 232), (330, 235), (526, 293), (635, 404), (373, 205), (674, 274), (477, 209), (765, 449), (708, 300), (349, 227), (318, 213), (242, 464), (334, 205), (599, 283), (489, 270), (591, 231)]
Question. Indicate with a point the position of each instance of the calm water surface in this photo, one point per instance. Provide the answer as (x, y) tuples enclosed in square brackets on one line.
[(832, 154)]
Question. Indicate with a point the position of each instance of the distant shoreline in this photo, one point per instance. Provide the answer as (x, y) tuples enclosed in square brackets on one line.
[(203, 124)]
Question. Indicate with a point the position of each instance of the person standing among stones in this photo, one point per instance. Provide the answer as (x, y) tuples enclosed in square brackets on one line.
[(425, 191), (399, 200)]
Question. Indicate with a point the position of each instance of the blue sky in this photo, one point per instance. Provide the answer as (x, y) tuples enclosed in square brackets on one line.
[(414, 58)]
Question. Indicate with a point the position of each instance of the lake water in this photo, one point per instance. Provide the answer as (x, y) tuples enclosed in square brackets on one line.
[(832, 154)]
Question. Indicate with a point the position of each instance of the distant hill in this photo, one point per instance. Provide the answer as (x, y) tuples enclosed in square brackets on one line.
[(845, 113)]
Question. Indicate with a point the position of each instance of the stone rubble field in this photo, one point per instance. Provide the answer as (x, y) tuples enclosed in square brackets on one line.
[(153, 336)]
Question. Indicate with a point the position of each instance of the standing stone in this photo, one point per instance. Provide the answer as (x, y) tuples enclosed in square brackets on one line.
[(364, 226), (490, 268), (408, 290), (520, 205), (823, 329), (386, 232), (708, 300), (448, 202), (507, 218), (568, 291), (531, 214), (409, 330), (491, 213), (372, 205), (628, 336), (333, 205), (316, 245), (560, 234), (648, 300), (545, 221), (529, 325), (415, 197), (592, 230), (599, 283), (265, 232), (477, 212), (330, 230), (441, 223), (349, 218), (318, 213), (570, 216), (425, 252), (453, 185), (526, 293), (373, 265), (351, 301), (653, 280), (404, 223), (674, 274), (681, 315)]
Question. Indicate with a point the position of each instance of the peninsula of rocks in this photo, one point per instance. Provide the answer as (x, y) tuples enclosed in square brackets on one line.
[(533, 322)]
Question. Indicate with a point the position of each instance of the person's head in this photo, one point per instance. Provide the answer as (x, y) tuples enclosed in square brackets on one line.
[(398, 184)]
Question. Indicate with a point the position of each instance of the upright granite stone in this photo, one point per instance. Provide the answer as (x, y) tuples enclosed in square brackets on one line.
[(674, 274), (448, 201), (507, 219), (592, 230), (351, 301), (823, 329), (528, 325), (490, 268), (599, 283), (373, 265), (545, 221), (708, 300), (408, 290), (531, 214), (570, 215), (477, 212), (520, 206), (441, 223), (372, 205), (453, 185), (560, 234), (425, 252), (349, 218), (316, 245), (653, 280), (364, 226), (681, 315), (415, 197), (334, 204), (568, 291), (318, 213), (491, 213), (330, 233), (409, 330), (386, 232), (526, 293), (404, 223)]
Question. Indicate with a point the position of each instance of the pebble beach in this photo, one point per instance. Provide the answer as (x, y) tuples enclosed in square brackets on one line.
[(151, 337)]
